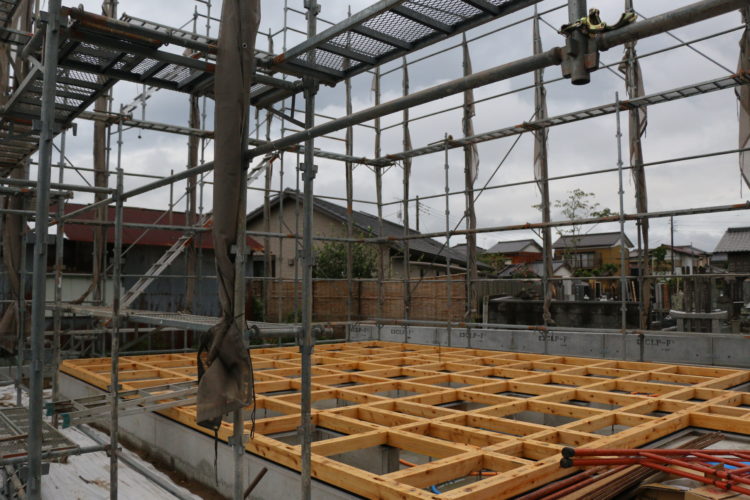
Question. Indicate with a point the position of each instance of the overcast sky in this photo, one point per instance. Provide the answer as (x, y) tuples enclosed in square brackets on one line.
[(697, 125)]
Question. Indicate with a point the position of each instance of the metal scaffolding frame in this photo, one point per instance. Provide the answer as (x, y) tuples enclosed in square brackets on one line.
[(84, 55)]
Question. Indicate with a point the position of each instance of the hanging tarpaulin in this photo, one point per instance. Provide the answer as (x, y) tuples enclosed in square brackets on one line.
[(469, 112), (743, 94), (631, 68), (637, 123), (226, 383), (540, 113), (12, 241)]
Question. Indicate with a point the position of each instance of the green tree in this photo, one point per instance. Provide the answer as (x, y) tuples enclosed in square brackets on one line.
[(577, 206), (494, 260), (330, 261), (660, 257)]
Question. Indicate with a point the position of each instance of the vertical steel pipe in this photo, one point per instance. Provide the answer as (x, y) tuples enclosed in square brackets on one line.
[(382, 249), (114, 430), (576, 44), (307, 266), (448, 280), (621, 193), (59, 241), (406, 271), (51, 44)]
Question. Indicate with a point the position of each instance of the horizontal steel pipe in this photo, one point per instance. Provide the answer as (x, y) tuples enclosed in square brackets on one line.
[(667, 21), (658, 24), (62, 187), (535, 328), (56, 454), (492, 75), (592, 220)]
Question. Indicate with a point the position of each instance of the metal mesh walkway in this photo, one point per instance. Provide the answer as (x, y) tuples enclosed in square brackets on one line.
[(180, 320), (96, 52), (14, 428)]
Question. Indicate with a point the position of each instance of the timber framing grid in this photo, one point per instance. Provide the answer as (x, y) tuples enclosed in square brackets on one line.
[(490, 423)]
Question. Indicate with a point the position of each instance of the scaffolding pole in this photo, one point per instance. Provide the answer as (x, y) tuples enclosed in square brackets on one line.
[(36, 407), (621, 215), (306, 348), (406, 270), (349, 167), (114, 430), (448, 274), (382, 249), (57, 314)]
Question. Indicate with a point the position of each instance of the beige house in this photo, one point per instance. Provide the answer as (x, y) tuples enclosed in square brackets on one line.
[(427, 257)]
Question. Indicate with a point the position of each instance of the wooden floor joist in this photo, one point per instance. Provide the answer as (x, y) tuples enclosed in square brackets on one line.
[(481, 424)]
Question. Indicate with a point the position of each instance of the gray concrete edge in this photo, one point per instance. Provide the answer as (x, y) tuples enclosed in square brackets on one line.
[(191, 452), (727, 350)]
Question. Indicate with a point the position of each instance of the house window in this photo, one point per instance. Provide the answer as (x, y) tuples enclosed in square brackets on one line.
[(583, 260)]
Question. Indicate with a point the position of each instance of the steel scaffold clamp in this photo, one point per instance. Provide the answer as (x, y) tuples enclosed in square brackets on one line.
[(581, 55)]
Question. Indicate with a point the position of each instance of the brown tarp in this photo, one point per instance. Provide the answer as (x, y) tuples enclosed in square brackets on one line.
[(471, 166), (540, 113), (226, 384), (472, 155), (743, 94), (637, 122), (192, 255), (12, 247), (13, 225)]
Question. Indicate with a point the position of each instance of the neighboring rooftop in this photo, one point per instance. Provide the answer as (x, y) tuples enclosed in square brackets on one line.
[(596, 240), (687, 250), (136, 235), (508, 247), (735, 239), (461, 248), (368, 224)]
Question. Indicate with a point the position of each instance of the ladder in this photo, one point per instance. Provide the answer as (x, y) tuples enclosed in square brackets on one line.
[(163, 263), (177, 248), (150, 399)]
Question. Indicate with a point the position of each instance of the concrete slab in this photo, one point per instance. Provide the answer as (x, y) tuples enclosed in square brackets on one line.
[(192, 453)]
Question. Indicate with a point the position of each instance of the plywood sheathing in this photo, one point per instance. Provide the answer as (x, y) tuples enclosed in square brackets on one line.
[(468, 410)]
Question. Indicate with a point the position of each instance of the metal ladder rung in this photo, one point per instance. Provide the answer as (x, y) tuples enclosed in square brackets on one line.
[(84, 410), (169, 256)]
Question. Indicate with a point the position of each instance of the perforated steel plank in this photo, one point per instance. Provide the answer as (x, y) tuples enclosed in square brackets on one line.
[(14, 427), (385, 31)]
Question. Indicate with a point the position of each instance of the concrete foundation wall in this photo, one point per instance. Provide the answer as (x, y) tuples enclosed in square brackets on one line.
[(192, 453), (677, 348)]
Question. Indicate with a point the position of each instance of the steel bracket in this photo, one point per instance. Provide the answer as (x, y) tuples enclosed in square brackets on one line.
[(239, 444), (580, 58), (312, 172)]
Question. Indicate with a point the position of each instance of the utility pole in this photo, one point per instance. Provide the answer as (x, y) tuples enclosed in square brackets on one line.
[(671, 241), (417, 221)]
